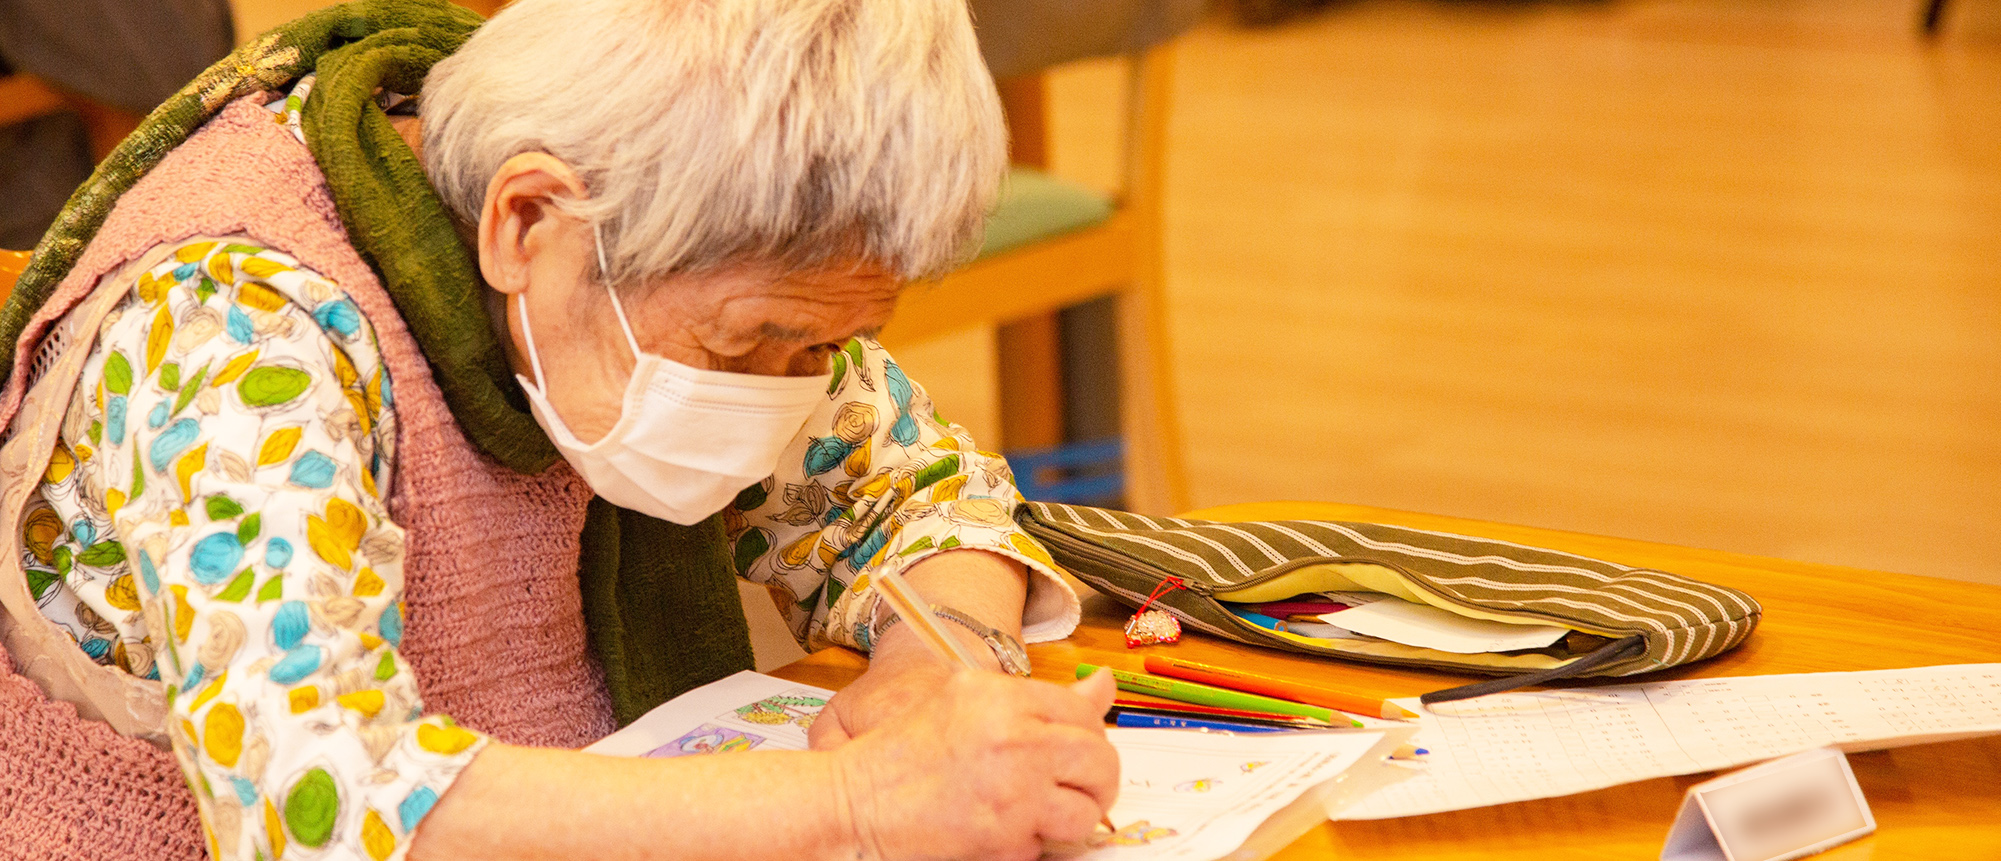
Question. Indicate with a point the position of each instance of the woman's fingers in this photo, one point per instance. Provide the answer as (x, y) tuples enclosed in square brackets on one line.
[(1081, 704), (1099, 690), (1085, 762), (827, 733), (1068, 816)]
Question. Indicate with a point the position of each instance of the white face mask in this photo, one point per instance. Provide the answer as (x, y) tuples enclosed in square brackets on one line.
[(687, 439)]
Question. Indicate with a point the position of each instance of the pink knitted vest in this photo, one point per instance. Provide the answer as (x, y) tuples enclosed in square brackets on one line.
[(495, 629)]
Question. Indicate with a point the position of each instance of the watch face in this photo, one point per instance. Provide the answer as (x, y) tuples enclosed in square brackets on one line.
[(1013, 658)]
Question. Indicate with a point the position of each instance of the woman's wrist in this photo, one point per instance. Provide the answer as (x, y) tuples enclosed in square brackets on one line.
[(986, 587), (902, 649)]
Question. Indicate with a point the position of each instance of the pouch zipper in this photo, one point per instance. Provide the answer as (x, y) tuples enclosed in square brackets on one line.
[(1091, 550)]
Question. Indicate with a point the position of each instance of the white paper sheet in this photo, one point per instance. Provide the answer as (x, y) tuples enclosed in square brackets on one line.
[(1185, 796), (1518, 746), (1429, 627)]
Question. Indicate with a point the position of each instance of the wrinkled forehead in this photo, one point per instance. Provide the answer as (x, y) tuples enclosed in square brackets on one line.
[(773, 304)]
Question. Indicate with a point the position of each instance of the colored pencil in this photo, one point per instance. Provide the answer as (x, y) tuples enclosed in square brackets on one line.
[(1131, 720), (1219, 712), (1316, 630), (1282, 609), (1206, 695), (1310, 630), (1257, 721), (1275, 687)]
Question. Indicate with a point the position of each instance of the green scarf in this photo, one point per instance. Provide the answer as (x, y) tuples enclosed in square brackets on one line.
[(659, 599)]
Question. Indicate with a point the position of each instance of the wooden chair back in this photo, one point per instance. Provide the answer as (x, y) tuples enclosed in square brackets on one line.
[(1021, 289)]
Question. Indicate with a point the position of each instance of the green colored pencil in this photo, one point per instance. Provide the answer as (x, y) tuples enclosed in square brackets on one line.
[(1206, 695)]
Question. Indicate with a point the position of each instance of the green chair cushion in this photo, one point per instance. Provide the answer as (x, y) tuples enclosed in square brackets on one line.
[(1035, 206)]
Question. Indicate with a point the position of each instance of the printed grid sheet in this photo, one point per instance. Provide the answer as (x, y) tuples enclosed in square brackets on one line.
[(1520, 746)]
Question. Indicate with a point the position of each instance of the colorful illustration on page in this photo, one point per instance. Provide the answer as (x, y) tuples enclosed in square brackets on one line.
[(707, 738), (798, 708), (1139, 833), (1203, 785)]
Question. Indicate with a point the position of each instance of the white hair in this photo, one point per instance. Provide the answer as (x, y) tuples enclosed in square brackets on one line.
[(715, 132)]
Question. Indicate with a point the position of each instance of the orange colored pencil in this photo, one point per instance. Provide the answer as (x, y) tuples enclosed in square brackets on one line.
[(1299, 692)]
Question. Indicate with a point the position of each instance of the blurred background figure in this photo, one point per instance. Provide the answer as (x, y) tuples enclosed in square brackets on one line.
[(75, 77)]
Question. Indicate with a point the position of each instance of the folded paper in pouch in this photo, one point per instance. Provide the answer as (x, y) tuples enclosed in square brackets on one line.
[(1429, 627)]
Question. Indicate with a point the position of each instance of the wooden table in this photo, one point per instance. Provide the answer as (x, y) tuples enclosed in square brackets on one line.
[(1938, 801)]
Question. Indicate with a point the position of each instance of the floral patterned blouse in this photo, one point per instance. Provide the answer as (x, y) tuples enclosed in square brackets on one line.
[(214, 518)]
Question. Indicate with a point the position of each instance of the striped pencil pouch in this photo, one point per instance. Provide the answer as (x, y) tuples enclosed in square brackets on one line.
[(1617, 620)]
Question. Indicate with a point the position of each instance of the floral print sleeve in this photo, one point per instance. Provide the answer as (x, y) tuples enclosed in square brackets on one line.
[(215, 516), (877, 481)]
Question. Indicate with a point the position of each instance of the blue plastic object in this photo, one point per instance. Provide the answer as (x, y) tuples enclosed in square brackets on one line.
[(1078, 473)]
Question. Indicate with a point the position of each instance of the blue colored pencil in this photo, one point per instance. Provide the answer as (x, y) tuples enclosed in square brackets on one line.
[(1130, 720)]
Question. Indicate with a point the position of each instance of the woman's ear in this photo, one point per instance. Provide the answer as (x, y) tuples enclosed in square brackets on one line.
[(522, 219)]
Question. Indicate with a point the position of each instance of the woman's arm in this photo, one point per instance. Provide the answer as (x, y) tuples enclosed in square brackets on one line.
[(236, 397), (528, 803)]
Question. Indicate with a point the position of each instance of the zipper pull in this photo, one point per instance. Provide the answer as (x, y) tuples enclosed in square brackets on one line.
[(1617, 650), (1153, 627)]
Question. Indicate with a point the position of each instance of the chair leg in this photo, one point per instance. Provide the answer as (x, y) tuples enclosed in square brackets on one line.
[(1155, 483), (1154, 480)]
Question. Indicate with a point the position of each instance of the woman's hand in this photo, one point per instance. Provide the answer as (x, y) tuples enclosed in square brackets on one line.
[(901, 677), (983, 765)]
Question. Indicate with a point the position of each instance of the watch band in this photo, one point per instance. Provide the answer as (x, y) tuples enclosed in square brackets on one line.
[(1013, 658)]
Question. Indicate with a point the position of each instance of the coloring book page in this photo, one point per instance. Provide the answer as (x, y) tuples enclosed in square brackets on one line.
[(1519, 746), (746, 711)]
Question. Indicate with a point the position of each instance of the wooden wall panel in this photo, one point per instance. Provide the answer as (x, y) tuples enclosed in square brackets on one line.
[(1713, 273)]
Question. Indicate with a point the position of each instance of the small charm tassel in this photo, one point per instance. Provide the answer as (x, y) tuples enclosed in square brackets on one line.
[(1151, 627)]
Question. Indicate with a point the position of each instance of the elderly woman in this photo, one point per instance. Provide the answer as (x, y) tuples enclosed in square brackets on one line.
[(398, 493)]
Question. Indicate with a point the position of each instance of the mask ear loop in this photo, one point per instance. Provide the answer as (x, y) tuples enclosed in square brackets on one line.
[(604, 274), (528, 332)]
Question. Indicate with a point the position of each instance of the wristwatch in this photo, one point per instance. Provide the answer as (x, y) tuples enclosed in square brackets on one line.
[(1013, 658)]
